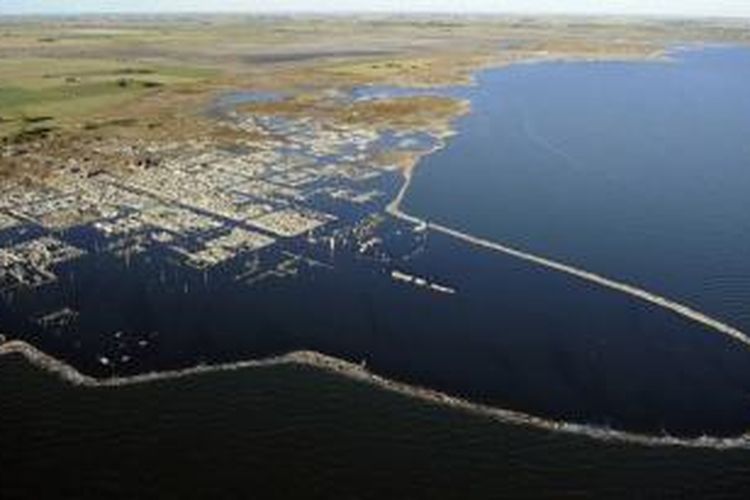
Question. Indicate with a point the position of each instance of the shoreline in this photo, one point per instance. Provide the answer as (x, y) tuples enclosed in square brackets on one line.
[(636, 292), (330, 364), (356, 373), (662, 56)]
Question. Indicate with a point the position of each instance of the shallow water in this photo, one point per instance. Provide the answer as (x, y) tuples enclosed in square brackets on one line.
[(514, 335)]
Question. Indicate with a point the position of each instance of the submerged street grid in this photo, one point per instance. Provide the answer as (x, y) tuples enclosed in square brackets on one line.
[(309, 193)]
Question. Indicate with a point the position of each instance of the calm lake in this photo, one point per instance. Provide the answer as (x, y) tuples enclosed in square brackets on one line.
[(637, 171)]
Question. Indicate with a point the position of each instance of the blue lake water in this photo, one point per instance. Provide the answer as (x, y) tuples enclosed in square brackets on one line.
[(638, 171)]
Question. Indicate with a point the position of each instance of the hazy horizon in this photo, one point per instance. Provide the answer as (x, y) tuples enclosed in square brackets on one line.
[(667, 8)]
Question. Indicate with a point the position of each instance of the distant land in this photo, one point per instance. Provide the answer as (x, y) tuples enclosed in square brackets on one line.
[(484, 219)]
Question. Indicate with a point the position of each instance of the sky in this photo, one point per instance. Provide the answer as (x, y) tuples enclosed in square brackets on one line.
[(721, 8)]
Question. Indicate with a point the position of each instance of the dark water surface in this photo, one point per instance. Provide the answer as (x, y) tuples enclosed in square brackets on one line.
[(296, 432), (638, 171)]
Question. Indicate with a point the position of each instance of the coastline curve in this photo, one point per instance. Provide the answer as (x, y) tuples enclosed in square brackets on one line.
[(330, 364), (394, 209), (360, 374)]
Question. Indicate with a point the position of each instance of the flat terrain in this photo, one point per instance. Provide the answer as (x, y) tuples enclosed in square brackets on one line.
[(70, 85), (187, 191)]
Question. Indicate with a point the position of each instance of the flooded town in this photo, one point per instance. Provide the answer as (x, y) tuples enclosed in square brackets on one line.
[(310, 193), (532, 223)]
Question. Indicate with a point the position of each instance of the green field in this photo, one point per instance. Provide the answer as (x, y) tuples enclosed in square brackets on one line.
[(53, 93), (65, 82)]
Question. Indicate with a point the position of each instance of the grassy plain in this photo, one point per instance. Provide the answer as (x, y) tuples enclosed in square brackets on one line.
[(69, 85)]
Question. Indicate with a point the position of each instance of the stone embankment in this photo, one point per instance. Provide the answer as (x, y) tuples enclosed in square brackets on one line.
[(359, 373), (639, 293)]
